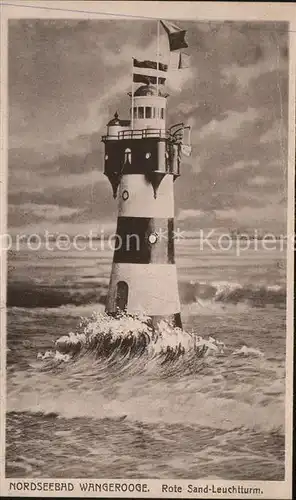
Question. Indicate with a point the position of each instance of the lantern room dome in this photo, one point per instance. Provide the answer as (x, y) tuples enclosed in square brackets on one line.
[(149, 90), (117, 122)]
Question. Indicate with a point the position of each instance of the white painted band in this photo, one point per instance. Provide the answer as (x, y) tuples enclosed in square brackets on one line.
[(136, 197), (150, 100), (152, 288)]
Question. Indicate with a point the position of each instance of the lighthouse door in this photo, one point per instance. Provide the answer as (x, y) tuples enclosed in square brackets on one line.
[(121, 295)]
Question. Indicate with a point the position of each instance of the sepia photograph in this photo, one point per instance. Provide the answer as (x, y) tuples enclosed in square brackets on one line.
[(147, 245)]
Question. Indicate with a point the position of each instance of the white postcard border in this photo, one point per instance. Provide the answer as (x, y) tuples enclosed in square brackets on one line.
[(199, 11)]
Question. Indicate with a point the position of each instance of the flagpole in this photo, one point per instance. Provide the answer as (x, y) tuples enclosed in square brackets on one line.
[(132, 109), (157, 57)]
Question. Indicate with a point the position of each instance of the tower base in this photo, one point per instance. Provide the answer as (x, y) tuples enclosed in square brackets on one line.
[(173, 320)]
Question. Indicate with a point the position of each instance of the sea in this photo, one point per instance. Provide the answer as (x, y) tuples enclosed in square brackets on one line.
[(90, 396)]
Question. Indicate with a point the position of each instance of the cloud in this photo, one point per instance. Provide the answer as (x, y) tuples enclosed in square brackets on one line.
[(271, 216), (259, 180), (230, 125), (41, 227), (47, 212), (194, 220), (187, 214), (68, 77), (277, 132), (242, 76), (242, 164)]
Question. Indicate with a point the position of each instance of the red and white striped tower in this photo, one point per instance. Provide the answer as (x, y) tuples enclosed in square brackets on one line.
[(142, 164), (142, 161)]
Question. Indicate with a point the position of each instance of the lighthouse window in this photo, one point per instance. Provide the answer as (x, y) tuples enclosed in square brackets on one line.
[(127, 156), (153, 112), (135, 112), (121, 295), (162, 113), (148, 112), (141, 112), (125, 195), (153, 238)]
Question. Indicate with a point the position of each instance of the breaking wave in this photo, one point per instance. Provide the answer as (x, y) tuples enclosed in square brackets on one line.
[(125, 337), (234, 293), (255, 295), (121, 368)]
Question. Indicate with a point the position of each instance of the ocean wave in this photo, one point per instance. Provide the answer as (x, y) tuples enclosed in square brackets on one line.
[(188, 408), (31, 295), (124, 337), (124, 369), (255, 295)]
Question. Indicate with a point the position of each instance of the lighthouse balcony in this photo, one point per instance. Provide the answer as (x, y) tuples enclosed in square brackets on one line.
[(146, 133), (157, 151)]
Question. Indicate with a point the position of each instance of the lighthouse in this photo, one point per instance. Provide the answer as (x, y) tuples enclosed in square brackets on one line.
[(142, 160)]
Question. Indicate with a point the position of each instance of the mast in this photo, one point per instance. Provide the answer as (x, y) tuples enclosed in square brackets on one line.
[(157, 56), (132, 100)]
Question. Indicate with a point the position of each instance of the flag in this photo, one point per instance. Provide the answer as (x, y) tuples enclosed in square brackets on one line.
[(149, 72), (184, 61), (150, 64), (147, 79), (176, 36), (186, 149)]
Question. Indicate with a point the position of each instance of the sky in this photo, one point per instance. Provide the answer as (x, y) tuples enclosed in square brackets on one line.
[(67, 78)]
